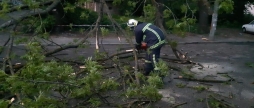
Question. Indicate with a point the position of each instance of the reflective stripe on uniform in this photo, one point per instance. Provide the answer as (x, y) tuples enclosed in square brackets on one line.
[(155, 63), (155, 33), (144, 37), (147, 25), (147, 61), (157, 44)]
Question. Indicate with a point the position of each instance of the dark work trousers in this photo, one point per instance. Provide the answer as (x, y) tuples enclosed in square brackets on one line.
[(151, 55)]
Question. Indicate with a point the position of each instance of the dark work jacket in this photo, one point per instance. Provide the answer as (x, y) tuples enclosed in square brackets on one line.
[(151, 38)]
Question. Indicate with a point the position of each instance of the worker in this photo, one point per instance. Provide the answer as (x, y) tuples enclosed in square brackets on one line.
[(150, 36)]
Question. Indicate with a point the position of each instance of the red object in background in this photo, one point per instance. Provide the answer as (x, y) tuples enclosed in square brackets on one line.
[(143, 46)]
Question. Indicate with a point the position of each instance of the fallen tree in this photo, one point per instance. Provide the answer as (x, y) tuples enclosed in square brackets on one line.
[(38, 79)]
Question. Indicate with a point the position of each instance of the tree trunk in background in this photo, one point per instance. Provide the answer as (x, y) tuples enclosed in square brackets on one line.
[(159, 22), (203, 17), (214, 20), (97, 46), (59, 14), (159, 14)]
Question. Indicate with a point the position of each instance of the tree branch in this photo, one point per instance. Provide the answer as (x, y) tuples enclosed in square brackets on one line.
[(30, 13), (129, 40), (47, 54), (7, 58), (26, 6)]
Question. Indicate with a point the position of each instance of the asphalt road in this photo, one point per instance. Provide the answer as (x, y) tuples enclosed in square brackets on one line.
[(223, 58)]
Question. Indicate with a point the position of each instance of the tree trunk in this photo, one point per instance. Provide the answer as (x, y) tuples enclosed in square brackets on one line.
[(58, 13), (158, 16), (203, 17), (214, 20), (159, 22), (28, 14), (97, 46)]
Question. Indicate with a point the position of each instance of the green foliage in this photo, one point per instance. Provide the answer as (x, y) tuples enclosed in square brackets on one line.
[(184, 8), (41, 100), (4, 7), (146, 91), (95, 102), (126, 7), (214, 103), (200, 88), (69, 7), (187, 74), (163, 68), (37, 79), (81, 16), (44, 24), (167, 13), (4, 103), (226, 6), (100, 55), (250, 64), (104, 31), (180, 85), (149, 90), (149, 12), (116, 2), (155, 80), (3, 86)]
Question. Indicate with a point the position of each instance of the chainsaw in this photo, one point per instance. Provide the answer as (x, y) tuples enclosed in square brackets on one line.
[(143, 47)]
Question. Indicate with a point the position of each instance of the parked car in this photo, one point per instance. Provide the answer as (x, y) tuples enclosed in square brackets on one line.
[(248, 27)]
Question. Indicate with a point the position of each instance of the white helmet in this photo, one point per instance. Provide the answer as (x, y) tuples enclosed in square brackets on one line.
[(132, 23)]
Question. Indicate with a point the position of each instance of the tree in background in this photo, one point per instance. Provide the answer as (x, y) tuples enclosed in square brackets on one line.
[(219, 5)]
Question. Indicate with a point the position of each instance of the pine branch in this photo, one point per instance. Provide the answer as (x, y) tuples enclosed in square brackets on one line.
[(51, 82)]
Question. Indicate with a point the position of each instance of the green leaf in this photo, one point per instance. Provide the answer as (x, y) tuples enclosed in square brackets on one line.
[(226, 6), (4, 104), (117, 2), (184, 8), (166, 13), (109, 84), (155, 81)]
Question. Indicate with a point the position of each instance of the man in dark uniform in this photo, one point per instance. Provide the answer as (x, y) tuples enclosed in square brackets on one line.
[(151, 36)]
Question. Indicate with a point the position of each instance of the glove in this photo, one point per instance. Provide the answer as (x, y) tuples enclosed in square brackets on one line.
[(143, 46)]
